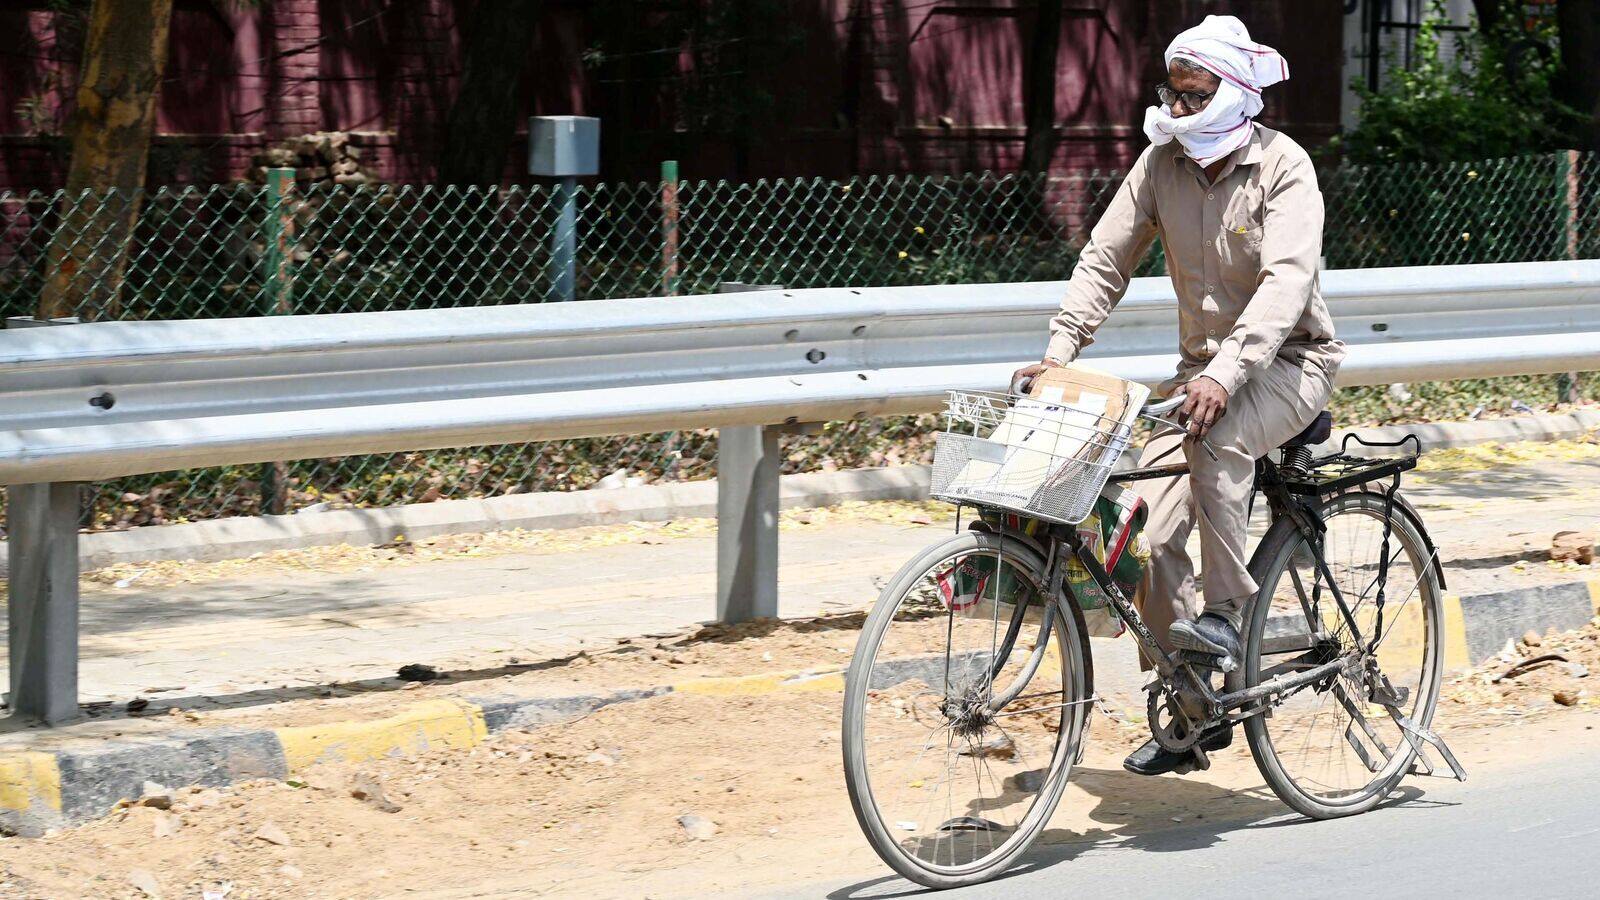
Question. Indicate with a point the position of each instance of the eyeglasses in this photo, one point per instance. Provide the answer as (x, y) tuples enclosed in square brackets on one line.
[(1191, 99)]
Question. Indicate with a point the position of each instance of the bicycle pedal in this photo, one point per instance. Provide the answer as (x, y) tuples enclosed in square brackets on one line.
[(1198, 761), (1208, 660)]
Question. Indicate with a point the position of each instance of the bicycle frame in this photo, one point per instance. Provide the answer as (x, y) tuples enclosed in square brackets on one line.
[(1283, 504), (1178, 674)]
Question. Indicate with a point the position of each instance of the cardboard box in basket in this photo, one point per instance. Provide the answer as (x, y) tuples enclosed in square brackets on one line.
[(1069, 385)]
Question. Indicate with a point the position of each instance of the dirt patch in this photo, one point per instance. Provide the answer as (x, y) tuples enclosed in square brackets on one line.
[(588, 809), (1539, 674)]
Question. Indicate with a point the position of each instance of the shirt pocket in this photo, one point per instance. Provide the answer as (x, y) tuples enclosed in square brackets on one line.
[(1245, 233), (1241, 250), (1241, 221)]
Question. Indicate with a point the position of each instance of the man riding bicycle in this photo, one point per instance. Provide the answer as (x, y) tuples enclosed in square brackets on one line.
[(1239, 214)]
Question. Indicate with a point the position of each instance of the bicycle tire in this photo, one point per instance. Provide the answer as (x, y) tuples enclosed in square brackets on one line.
[(1071, 643), (1269, 565)]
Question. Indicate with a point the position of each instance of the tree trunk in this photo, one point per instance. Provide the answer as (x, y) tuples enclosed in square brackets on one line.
[(1579, 25), (123, 59), (1039, 88), (483, 119)]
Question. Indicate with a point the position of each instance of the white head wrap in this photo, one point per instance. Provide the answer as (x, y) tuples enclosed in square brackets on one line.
[(1221, 46)]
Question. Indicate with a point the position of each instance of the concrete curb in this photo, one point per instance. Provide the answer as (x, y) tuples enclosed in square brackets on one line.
[(1493, 619), (231, 538), (40, 790)]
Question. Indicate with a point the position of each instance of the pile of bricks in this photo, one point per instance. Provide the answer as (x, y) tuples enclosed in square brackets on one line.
[(323, 157)]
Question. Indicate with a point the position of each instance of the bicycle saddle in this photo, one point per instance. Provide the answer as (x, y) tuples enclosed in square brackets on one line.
[(1315, 433)]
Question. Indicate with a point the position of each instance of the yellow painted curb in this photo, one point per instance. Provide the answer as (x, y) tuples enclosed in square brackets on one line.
[(429, 725), (754, 685), (1456, 654), (29, 779), (1594, 594)]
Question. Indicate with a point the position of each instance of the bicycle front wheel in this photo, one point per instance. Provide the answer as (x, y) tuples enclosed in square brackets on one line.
[(964, 708), (1332, 749)]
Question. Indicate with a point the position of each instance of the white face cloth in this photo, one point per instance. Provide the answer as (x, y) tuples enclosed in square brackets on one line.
[(1222, 46)]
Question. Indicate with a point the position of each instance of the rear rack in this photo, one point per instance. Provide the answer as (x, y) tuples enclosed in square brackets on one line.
[(1337, 471)]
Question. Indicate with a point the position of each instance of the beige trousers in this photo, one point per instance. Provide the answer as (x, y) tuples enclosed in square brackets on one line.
[(1273, 406)]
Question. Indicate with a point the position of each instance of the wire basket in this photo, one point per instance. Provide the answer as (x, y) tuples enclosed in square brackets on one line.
[(1036, 458)]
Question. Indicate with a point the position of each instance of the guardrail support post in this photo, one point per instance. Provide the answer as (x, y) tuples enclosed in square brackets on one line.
[(43, 602), (747, 523)]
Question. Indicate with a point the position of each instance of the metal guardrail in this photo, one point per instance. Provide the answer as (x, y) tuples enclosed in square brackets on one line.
[(94, 401), (119, 398)]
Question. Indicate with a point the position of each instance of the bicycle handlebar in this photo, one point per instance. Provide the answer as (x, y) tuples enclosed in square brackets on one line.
[(1163, 407)]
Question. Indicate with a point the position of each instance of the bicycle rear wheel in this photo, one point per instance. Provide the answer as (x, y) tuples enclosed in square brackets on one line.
[(948, 789), (1332, 749)]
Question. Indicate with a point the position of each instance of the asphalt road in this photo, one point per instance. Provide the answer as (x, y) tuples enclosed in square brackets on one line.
[(1512, 830)]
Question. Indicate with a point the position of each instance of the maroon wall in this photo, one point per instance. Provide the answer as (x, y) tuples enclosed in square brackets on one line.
[(870, 86)]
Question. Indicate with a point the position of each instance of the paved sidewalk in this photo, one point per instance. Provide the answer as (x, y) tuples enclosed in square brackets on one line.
[(249, 640)]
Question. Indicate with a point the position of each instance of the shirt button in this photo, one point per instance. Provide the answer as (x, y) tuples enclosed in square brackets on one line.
[(1211, 196), (1208, 243), (1212, 333), (1210, 288)]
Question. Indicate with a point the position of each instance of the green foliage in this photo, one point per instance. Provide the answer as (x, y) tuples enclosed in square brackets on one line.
[(1432, 214), (1494, 97), (1447, 401)]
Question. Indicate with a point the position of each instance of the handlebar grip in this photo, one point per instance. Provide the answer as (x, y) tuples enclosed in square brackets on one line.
[(1163, 407)]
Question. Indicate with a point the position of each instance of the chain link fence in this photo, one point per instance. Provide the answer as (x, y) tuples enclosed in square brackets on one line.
[(246, 250)]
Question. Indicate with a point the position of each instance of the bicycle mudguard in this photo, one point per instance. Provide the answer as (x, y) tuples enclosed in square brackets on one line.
[(1030, 541), (1401, 504), (1405, 508)]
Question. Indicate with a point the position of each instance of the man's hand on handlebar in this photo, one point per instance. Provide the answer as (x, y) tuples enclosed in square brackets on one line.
[(1205, 401), (1022, 379)]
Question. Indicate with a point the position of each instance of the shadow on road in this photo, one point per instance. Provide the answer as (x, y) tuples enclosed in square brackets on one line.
[(1156, 815)]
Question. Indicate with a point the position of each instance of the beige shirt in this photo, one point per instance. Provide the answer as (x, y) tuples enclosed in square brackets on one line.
[(1243, 254)]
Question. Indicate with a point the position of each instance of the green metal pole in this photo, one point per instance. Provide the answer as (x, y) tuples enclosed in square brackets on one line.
[(278, 279), (669, 227), (277, 299)]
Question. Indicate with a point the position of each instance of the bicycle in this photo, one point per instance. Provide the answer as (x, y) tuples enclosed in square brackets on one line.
[(992, 683)]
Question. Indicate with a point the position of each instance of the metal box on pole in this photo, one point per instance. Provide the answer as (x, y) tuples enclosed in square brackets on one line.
[(564, 147)]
